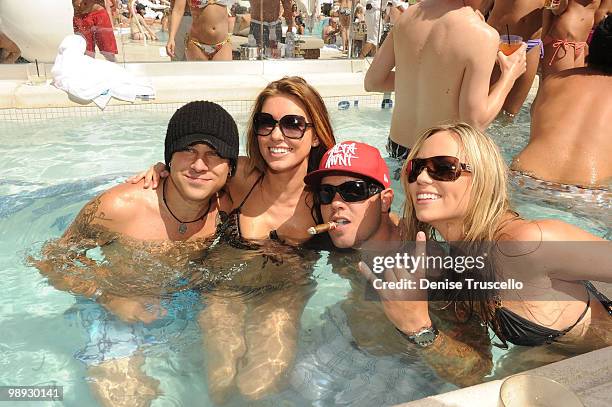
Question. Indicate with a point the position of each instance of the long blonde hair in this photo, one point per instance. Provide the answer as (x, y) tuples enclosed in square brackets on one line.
[(489, 197), (488, 205)]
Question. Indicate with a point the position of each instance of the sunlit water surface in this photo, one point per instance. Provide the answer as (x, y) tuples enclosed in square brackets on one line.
[(51, 169)]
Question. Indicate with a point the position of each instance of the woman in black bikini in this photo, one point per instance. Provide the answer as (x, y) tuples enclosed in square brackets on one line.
[(456, 188)]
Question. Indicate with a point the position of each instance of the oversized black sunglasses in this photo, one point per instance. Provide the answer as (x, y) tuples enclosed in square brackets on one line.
[(350, 191), (292, 125), (440, 168)]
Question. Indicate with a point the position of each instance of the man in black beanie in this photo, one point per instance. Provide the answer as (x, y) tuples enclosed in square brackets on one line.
[(177, 221), (201, 149)]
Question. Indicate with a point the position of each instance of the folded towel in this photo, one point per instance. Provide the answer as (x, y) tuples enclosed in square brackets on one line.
[(92, 79)]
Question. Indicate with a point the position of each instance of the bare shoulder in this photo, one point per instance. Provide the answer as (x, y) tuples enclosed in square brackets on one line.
[(239, 185), (120, 203), (548, 230)]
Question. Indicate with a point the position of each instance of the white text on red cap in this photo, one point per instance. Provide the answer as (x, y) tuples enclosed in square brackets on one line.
[(341, 155)]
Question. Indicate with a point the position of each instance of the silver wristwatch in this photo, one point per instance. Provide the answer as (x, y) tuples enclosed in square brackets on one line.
[(423, 337)]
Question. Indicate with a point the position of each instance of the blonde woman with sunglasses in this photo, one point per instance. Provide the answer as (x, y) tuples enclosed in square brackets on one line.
[(456, 189)]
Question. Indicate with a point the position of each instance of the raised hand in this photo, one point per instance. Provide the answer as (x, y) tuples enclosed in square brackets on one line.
[(151, 177), (406, 308)]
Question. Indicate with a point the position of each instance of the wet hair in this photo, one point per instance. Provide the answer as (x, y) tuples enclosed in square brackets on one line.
[(313, 106), (600, 49)]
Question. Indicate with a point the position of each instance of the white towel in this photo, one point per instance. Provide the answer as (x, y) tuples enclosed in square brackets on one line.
[(92, 79)]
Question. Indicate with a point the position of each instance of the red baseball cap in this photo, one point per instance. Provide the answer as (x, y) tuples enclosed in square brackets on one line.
[(352, 158)]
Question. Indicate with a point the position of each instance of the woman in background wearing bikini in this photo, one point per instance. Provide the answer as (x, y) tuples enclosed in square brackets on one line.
[(209, 38), (565, 30)]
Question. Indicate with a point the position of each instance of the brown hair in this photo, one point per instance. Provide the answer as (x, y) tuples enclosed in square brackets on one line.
[(314, 108)]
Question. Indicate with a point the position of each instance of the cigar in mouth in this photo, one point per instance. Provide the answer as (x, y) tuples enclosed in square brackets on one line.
[(322, 228)]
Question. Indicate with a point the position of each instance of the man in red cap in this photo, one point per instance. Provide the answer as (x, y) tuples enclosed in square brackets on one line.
[(354, 191)]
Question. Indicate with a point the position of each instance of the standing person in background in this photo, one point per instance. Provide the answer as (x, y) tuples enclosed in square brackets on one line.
[(373, 27), (265, 17), (565, 30), (523, 18), (573, 147), (208, 38), (92, 21), (443, 53), (344, 13)]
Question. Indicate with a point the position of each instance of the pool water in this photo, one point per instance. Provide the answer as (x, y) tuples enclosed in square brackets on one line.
[(51, 169)]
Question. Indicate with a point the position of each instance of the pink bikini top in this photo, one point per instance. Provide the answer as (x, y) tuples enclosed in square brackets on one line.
[(204, 3)]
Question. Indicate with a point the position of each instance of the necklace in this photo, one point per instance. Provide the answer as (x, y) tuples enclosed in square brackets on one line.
[(183, 225)]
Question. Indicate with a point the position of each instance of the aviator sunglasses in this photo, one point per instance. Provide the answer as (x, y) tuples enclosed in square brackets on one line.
[(350, 191), (440, 168), (292, 125)]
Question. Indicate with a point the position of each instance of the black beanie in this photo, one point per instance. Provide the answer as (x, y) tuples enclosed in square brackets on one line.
[(205, 122)]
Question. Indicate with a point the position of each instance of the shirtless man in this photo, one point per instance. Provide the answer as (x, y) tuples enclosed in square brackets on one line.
[(92, 21), (443, 53), (9, 51), (174, 223), (209, 37), (569, 145), (523, 18), (564, 32), (267, 13)]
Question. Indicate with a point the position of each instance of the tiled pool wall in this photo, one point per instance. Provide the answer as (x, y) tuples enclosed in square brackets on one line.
[(24, 116), (234, 86)]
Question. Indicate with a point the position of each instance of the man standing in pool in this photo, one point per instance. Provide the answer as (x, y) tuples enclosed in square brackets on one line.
[(174, 223), (443, 53), (354, 193)]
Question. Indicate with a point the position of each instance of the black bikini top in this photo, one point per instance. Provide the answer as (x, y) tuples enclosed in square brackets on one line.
[(229, 226), (520, 331)]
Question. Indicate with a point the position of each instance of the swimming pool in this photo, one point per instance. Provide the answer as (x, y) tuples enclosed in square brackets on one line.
[(52, 168)]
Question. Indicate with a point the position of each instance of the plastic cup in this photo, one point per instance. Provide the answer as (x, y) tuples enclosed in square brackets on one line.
[(509, 43), (37, 74), (552, 4), (528, 390)]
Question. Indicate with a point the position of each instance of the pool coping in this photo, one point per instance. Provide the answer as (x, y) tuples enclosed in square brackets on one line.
[(183, 81), (589, 375)]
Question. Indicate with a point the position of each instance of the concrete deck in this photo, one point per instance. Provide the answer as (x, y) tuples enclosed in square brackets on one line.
[(588, 375), (181, 81)]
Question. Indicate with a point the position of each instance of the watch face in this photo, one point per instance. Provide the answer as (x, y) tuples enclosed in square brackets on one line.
[(427, 336)]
